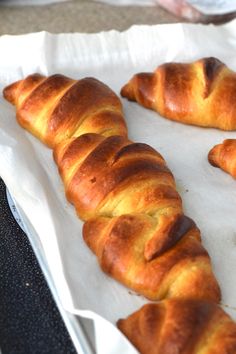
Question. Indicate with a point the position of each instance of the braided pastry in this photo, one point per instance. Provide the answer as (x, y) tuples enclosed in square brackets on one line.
[(123, 190), (134, 218), (202, 93), (55, 108), (177, 326), (224, 156)]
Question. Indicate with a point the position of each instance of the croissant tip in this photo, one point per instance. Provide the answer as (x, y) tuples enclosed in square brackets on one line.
[(9, 92), (212, 156), (125, 90), (119, 323)]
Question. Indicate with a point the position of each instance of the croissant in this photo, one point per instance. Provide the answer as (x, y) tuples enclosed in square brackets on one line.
[(202, 93), (177, 326), (224, 156), (134, 218), (55, 108)]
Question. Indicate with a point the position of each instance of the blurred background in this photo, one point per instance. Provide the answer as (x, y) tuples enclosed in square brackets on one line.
[(23, 16), (75, 16)]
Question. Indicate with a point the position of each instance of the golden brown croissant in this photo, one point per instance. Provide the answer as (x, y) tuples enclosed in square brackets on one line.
[(201, 93), (134, 218), (224, 156), (56, 108), (177, 326)]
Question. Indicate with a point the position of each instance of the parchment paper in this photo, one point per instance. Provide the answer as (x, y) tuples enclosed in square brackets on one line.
[(27, 167)]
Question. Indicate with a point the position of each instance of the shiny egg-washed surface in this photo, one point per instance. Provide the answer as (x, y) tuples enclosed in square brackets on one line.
[(123, 190), (178, 326), (201, 93), (134, 218), (56, 108)]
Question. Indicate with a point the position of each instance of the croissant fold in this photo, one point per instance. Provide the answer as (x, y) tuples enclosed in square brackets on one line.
[(56, 108), (177, 326), (134, 218)]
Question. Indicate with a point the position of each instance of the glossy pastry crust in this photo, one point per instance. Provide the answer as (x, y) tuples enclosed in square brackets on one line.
[(201, 93), (177, 326), (224, 156), (56, 108), (134, 218), (124, 191)]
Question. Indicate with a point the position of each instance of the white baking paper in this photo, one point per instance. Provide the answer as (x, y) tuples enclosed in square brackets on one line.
[(27, 167)]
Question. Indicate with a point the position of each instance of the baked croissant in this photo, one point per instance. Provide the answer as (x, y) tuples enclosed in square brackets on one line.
[(177, 326), (224, 156), (56, 108), (202, 93), (134, 218)]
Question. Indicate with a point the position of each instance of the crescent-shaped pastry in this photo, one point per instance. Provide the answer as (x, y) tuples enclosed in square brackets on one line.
[(177, 326), (56, 108)]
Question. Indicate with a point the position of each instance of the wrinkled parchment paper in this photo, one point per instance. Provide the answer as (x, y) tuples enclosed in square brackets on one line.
[(27, 167)]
